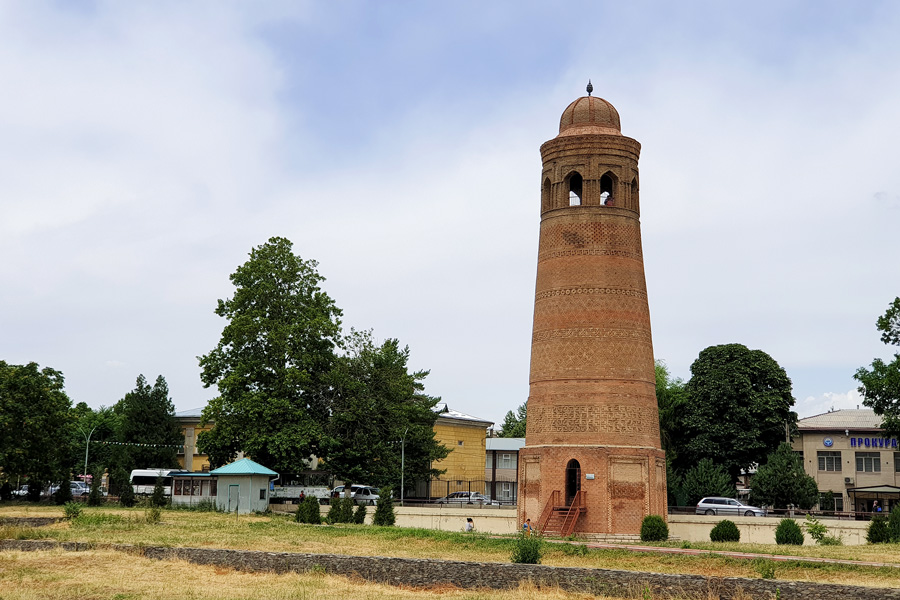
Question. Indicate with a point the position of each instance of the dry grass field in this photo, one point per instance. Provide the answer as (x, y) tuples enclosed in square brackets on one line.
[(104, 574)]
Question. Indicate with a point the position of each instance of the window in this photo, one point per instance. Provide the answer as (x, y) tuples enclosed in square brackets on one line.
[(506, 461), (829, 461), (831, 501), (212, 487), (868, 462), (460, 443), (489, 462), (897, 462), (178, 483), (576, 185), (606, 190), (262, 494)]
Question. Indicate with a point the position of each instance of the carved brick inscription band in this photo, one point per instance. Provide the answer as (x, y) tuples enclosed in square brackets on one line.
[(575, 418)]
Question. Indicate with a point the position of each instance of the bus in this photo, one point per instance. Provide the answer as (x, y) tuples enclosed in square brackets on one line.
[(144, 480)]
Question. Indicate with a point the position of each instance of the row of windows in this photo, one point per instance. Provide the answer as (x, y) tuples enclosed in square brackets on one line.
[(575, 183), (866, 462)]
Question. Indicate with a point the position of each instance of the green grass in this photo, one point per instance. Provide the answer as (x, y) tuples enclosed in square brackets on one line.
[(277, 533)]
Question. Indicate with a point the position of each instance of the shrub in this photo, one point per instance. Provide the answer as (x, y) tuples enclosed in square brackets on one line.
[(63, 495), (832, 540), (894, 525), (308, 511), (654, 529), (359, 515), (126, 495), (725, 531), (528, 549), (94, 498), (384, 510), (878, 532), (71, 510), (765, 567), (788, 533), (5, 492), (158, 498), (815, 529), (153, 515)]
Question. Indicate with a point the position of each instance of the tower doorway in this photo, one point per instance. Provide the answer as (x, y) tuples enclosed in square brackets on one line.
[(573, 480)]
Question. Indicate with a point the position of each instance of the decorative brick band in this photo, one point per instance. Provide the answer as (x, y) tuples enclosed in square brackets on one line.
[(429, 573), (574, 291)]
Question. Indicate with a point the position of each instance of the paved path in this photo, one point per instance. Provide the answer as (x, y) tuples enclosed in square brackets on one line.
[(744, 555)]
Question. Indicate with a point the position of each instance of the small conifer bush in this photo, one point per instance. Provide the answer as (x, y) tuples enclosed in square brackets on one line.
[(308, 511), (63, 495), (788, 533), (384, 509), (95, 498), (654, 529), (158, 498), (359, 515), (894, 525), (725, 531), (126, 495), (878, 532)]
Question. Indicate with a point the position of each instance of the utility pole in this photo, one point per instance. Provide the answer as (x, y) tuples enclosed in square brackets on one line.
[(87, 445), (402, 462)]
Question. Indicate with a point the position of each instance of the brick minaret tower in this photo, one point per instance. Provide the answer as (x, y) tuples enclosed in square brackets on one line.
[(592, 462)]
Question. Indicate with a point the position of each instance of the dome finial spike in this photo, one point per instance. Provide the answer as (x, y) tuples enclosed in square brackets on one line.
[(590, 88)]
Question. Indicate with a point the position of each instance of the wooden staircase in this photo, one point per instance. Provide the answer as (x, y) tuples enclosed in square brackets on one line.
[(557, 519)]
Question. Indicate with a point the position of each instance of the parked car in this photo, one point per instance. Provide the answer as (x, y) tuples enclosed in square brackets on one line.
[(361, 494), (79, 488), (727, 506), (22, 491), (464, 498)]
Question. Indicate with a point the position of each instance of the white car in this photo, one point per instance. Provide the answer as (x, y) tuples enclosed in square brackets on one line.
[(361, 494), (727, 506)]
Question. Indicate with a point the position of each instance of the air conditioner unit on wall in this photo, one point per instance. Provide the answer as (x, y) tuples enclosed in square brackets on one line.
[(848, 481)]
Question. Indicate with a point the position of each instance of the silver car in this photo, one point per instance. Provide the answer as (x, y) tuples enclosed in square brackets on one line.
[(727, 506)]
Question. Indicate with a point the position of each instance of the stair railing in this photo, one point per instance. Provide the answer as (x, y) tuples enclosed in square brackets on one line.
[(548, 510), (575, 509)]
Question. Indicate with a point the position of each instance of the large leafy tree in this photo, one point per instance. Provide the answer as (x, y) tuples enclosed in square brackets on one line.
[(272, 362), (670, 398), (706, 478), (378, 409), (147, 426), (782, 481), (514, 423), (738, 404), (101, 425), (35, 423), (880, 384)]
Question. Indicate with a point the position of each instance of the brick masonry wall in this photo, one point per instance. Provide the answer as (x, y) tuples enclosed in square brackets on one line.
[(429, 573)]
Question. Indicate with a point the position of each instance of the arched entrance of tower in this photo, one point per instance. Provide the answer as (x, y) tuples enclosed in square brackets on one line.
[(573, 480)]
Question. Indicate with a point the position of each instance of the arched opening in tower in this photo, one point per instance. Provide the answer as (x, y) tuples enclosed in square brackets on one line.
[(635, 204), (573, 480), (545, 195), (576, 187), (607, 185)]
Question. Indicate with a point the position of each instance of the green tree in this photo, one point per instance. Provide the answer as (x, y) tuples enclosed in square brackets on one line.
[(158, 498), (706, 478), (738, 404), (670, 398), (103, 426), (782, 481), (36, 425), (384, 509), (514, 423), (375, 402), (880, 384), (148, 427), (271, 363)]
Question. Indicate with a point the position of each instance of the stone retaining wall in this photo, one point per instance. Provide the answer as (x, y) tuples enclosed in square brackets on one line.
[(428, 573), (28, 521)]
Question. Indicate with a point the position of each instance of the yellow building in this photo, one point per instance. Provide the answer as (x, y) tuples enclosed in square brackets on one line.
[(464, 435), (188, 457)]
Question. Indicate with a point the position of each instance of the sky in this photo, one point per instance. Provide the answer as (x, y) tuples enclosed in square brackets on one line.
[(146, 148)]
